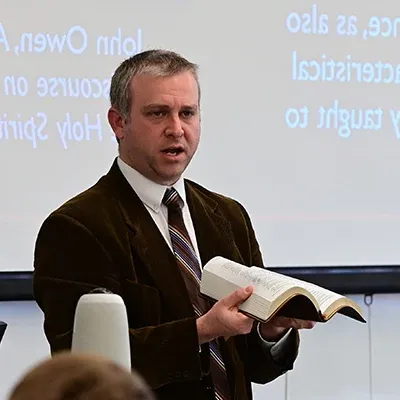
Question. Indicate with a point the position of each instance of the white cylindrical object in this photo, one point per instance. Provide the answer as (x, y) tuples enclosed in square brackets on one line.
[(101, 328)]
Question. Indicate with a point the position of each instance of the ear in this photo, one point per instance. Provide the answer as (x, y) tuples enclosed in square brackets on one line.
[(117, 123)]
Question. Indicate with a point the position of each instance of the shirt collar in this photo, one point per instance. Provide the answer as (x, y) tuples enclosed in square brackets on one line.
[(149, 192)]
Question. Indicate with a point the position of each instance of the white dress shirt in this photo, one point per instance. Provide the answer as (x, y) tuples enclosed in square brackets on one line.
[(151, 194)]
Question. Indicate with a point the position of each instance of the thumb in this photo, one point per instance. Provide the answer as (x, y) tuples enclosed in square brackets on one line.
[(238, 296)]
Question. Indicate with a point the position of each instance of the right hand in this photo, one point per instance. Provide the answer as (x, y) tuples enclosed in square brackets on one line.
[(224, 318)]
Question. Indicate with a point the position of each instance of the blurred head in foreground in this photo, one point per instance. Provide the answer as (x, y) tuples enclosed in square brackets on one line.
[(69, 376)]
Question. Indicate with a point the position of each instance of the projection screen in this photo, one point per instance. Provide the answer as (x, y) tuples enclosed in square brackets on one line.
[(300, 118)]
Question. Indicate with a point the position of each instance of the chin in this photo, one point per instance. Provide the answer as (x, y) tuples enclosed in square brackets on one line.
[(170, 179), (170, 174)]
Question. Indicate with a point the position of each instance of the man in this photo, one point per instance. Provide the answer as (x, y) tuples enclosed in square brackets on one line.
[(143, 232)]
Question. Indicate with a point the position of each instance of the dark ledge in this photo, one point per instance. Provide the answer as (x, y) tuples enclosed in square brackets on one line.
[(345, 280)]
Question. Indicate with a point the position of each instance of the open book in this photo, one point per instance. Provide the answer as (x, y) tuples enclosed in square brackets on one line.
[(273, 293)]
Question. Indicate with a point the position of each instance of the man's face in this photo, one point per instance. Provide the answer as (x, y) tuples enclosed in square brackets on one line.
[(163, 133)]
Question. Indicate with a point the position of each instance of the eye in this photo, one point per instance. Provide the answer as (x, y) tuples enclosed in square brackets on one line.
[(188, 113), (156, 113)]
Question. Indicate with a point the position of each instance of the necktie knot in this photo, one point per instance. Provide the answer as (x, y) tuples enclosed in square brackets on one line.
[(172, 198)]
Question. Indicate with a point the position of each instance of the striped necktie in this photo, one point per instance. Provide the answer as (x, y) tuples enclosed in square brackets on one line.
[(187, 259)]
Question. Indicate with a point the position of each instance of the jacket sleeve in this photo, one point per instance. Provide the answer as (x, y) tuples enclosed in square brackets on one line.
[(267, 362), (70, 262)]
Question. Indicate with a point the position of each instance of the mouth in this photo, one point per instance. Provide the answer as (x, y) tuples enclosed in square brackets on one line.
[(173, 150)]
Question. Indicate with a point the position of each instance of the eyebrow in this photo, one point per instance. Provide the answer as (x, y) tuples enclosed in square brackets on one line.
[(162, 106)]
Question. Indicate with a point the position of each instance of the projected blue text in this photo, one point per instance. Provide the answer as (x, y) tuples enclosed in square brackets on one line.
[(35, 129), (31, 130), (338, 71), (71, 88), (75, 40)]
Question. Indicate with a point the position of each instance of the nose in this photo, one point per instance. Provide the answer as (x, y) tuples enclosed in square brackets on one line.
[(174, 127)]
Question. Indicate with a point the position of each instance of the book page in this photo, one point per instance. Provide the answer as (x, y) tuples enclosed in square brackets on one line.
[(229, 270), (265, 283), (323, 296)]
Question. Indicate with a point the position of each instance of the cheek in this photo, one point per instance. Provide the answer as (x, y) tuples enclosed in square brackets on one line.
[(193, 135), (147, 142), (143, 136)]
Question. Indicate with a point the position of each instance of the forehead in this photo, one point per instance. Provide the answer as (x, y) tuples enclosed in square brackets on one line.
[(148, 88)]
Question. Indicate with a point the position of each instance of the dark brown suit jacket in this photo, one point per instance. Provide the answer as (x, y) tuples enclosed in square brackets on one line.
[(104, 237)]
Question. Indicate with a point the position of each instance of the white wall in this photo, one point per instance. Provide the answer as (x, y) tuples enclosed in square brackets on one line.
[(23, 344), (333, 364)]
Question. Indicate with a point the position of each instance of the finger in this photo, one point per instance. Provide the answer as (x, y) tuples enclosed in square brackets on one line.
[(237, 297), (285, 322), (243, 318), (244, 321), (307, 324), (302, 324)]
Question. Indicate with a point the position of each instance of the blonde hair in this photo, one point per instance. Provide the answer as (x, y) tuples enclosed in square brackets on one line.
[(69, 376)]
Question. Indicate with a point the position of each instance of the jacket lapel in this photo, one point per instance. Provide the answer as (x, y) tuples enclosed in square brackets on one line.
[(213, 230), (149, 244)]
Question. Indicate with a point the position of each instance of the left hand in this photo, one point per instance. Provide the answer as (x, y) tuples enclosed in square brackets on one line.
[(276, 328)]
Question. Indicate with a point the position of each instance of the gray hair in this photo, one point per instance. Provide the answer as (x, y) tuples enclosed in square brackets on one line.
[(159, 63)]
